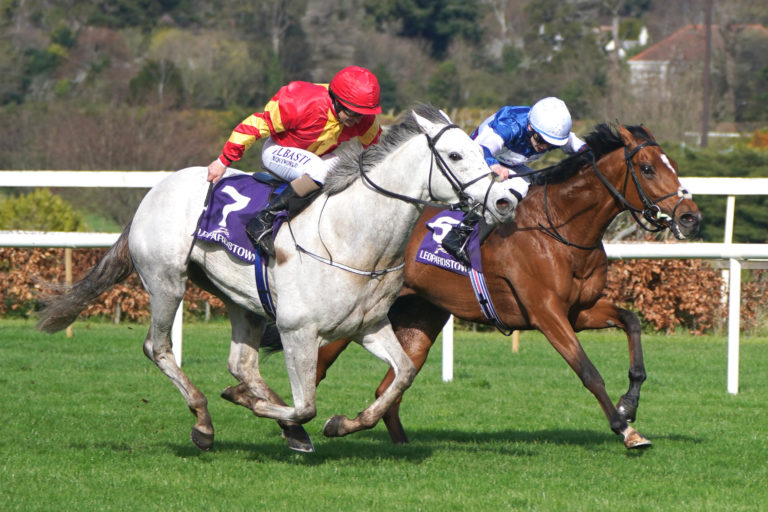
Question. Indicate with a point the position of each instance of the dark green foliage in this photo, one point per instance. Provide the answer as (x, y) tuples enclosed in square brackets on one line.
[(750, 50), (63, 36), (630, 28), (39, 62), (635, 7), (295, 53), (157, 82), (40, 210), (511, 58), (388, 86), (564, 57), (437, 21), (135, 13), (444, 89)]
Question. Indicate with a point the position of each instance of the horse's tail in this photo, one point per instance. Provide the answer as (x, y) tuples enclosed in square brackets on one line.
[(61, 310), (271, 341)]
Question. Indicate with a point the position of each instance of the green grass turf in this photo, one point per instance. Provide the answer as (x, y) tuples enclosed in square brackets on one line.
[(88, 423)]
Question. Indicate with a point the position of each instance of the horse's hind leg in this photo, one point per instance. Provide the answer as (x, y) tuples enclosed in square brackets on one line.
[(243, 364), (416, 324), (382, 343), (606, 314), (165, 297)]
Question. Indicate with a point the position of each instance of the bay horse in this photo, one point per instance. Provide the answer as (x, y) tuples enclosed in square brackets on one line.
[(547, 269), (337, 269)]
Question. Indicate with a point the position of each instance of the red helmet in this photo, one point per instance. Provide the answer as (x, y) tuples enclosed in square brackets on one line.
[(357, 89)]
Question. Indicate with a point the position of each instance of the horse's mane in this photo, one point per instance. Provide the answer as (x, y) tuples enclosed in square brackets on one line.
[(347, 169), (603, 140)]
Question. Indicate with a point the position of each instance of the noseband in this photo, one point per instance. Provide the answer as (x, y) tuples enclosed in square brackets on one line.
[(445, 170)]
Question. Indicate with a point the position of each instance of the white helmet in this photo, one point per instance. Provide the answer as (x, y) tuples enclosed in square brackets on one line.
[(551, 119)]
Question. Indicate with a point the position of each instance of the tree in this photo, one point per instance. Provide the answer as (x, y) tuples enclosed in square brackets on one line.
[(159, 81), (563, 57), (216, 70), (749, 50), (437, 21), (444, 90)]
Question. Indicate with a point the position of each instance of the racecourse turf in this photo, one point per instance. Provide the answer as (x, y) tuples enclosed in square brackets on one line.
[(89, 423)]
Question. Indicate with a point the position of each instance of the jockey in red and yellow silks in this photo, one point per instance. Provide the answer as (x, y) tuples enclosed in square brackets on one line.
[(303, 124), (300, 115)]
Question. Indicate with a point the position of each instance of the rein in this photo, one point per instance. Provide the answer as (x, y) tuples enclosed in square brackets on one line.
[(456, 184), (445, 170), (651, 211)]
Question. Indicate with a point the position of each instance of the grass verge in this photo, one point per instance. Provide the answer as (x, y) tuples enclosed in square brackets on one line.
[(88, 423)]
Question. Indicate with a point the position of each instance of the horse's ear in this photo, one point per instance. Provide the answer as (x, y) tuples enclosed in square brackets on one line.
[(445, 116), (425, 124), (627, 137)]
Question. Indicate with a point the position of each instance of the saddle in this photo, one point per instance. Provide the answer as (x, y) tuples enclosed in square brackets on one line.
[(234, 201)]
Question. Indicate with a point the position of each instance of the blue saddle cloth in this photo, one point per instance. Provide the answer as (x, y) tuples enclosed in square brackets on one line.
[(431, 251)]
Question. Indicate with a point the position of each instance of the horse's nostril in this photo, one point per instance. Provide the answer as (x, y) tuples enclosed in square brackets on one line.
[(503, 205), (688, 219)]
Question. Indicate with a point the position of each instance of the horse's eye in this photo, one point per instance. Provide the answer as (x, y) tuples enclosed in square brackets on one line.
[(455, 156), (647, 170)]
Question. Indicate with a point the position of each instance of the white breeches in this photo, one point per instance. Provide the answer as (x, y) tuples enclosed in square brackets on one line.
[(292, 163)]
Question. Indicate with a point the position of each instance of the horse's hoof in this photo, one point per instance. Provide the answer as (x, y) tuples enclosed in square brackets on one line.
[(634, 439), (333, 427), (202, 440), (298, 439)]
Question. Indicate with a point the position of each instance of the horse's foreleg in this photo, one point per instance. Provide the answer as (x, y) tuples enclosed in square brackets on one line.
[(606, 314), (300, 349), (416, 345), (561, 335), (294, 434), (382, 343), (327, 355), (243, 364)]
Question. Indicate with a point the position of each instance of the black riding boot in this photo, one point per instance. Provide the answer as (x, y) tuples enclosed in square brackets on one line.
[(259, 229), (455, 241)]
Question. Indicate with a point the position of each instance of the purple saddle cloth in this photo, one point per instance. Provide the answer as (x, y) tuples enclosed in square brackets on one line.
[(234, 201), (431, 251)]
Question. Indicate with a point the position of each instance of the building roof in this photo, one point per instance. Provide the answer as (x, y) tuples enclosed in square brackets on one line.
[(687, 43)]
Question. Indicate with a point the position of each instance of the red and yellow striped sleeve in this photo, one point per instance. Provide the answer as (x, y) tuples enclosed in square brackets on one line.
[(251, 129)]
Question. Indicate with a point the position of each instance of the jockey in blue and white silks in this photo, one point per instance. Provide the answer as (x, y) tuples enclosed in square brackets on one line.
[(511, 138)]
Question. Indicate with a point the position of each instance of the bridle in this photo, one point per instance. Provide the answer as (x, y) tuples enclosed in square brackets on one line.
[(458, 187), (651, 211)]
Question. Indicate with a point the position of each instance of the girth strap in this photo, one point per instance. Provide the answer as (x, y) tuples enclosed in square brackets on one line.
[(484, 301)]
